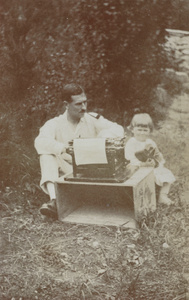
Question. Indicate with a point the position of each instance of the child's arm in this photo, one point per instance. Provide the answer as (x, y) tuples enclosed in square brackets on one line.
[(130, 150), (135, 160), (157, 155), (130, 153)]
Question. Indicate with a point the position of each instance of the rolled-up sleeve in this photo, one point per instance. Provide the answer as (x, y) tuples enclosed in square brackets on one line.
[(106, 128)]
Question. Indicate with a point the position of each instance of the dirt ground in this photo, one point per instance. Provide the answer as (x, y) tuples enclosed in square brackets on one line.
[(46, 259)]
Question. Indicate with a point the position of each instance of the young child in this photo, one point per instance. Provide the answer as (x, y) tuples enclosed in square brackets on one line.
[(142, 151)]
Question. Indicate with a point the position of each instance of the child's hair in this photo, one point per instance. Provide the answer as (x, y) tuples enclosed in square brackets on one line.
[(143, 120)]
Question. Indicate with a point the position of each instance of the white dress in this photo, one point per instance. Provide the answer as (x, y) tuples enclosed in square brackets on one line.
[(162, 174)]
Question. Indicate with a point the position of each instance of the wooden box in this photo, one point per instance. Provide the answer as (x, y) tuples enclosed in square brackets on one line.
[(107, 204)]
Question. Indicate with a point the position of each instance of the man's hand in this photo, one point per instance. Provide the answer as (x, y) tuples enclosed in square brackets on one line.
[(67, 157)]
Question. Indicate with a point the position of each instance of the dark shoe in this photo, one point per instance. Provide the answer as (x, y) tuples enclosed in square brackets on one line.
[(49, 209)]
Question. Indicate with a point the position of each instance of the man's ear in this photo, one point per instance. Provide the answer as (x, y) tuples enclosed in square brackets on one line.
[(65, 103)]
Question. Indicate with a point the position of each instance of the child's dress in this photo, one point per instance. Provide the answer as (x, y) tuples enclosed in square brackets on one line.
[(162, 174)]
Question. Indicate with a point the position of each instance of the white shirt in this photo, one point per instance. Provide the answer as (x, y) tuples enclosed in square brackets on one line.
[(55, 134)]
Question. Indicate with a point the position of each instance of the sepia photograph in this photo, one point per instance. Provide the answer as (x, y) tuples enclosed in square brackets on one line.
[(94, 143)]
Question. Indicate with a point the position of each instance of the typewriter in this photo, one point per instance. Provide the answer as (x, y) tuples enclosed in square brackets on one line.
[(113, 170)]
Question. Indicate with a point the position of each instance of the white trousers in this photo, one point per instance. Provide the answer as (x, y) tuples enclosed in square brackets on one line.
[(51, 165)]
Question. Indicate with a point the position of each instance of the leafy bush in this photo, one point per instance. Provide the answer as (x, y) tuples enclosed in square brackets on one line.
[(113, 48)]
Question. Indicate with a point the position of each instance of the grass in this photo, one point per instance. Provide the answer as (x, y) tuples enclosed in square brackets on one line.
[(41, 259), (49, 260)]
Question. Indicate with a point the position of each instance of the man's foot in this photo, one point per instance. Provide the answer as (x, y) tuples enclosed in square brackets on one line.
[(164, 199), (49, 209)]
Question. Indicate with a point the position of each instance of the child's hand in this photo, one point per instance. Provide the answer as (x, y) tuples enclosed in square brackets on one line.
[(149, 147), (150, 163)]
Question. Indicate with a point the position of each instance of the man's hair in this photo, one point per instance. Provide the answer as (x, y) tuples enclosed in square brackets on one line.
[(71, 89), (142, 120)]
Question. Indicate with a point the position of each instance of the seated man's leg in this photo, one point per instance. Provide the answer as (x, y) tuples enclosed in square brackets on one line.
[(49, 173), (65, 163), (50, 165), (49, 170)]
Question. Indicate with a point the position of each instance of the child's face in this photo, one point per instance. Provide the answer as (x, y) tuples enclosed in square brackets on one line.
[(141, 133)]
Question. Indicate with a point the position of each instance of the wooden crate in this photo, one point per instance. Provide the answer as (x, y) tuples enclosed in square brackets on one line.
[(107, 204)]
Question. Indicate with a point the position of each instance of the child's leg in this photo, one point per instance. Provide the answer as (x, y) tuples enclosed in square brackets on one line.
[(163, 195)]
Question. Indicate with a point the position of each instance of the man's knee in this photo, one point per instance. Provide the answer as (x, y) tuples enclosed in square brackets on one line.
[(49, 168), (51, 165), (64, 165)]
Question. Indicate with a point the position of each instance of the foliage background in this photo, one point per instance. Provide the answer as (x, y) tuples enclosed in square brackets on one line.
[(113, 48)]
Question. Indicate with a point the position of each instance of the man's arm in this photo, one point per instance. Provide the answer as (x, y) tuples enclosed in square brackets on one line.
[(45, 142), (106, 128)]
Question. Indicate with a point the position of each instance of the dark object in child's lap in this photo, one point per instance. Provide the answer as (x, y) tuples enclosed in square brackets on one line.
[(147, 154)]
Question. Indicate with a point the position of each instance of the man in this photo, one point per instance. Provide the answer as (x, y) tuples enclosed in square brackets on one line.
[(55, 134)]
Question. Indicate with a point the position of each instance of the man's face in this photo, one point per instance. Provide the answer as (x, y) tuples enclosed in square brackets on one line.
[(141, 133), (77, 107)]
